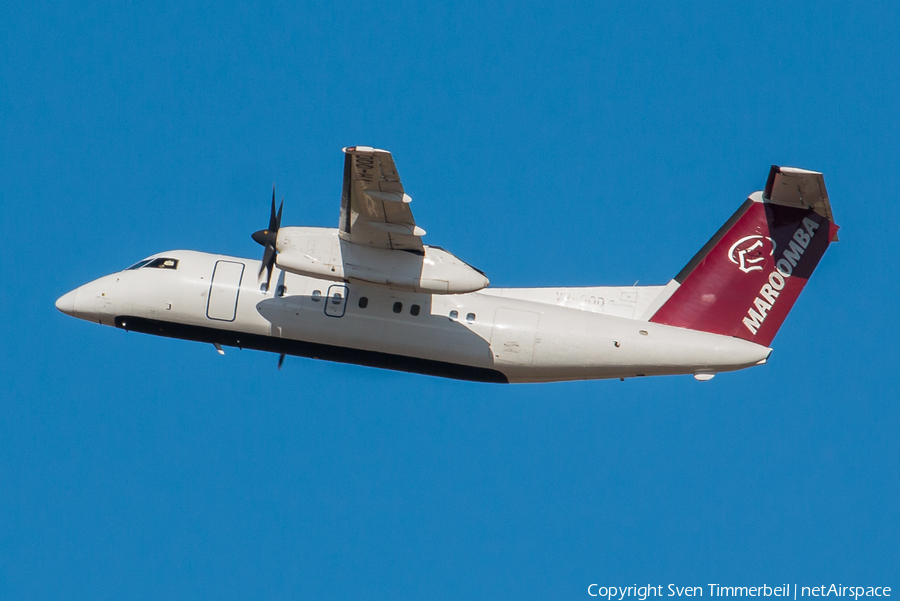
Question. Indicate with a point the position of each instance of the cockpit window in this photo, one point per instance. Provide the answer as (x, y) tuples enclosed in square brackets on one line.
[(158, 263), (139, 264), (163, 263)]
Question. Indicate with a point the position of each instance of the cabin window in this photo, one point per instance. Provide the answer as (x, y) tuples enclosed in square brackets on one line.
[(281, 290), (336, 299), (454, 315), (398, 306), (316, 295), (163, 263), (414, 310), (363, 302), (470, 318)]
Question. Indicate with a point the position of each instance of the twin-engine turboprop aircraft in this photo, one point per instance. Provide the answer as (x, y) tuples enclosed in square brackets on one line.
[(370, 292)]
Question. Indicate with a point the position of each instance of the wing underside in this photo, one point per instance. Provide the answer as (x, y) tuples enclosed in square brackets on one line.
[(374, 207)]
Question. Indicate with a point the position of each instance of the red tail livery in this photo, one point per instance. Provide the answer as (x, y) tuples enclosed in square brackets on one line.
[(745, 280)]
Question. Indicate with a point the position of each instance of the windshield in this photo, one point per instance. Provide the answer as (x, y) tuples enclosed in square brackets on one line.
[(158, 263), (139, 264)]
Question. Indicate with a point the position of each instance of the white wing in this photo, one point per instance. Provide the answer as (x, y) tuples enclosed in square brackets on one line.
[(374, 208)]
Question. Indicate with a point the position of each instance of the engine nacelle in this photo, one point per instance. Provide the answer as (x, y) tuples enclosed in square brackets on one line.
[(321, 253)]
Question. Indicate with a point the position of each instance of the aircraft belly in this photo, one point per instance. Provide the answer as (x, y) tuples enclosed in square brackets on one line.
[(425, 341)]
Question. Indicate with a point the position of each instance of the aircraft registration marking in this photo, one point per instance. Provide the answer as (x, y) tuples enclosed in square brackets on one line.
[(364, 164), (562, 297)]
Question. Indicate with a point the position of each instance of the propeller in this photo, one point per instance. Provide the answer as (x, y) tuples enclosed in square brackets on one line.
[(267, 238)]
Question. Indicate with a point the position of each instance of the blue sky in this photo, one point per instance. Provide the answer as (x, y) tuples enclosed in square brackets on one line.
[(585, 144)]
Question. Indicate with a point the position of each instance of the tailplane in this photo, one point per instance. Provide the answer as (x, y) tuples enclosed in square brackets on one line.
[(745, 280)]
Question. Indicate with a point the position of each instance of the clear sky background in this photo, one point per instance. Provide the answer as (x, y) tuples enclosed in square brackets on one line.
[(583, 143)]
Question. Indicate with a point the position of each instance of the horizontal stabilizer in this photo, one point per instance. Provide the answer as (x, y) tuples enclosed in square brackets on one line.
[(799, 188)]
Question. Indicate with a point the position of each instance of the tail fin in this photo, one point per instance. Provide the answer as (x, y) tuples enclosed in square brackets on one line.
[(747, 277)]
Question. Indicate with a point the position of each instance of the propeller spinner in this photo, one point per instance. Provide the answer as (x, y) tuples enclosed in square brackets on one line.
[(267, 238)]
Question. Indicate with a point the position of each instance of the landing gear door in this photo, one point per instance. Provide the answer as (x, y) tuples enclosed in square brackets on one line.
[(336, 301)]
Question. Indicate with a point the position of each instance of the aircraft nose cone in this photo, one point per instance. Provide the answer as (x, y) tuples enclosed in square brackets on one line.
[(66, 302)]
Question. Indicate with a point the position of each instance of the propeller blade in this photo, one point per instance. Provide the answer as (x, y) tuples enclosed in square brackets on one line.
[(267, 261), (273, 221), (280, 360), (269, 268), (278, 217), (268, 238)]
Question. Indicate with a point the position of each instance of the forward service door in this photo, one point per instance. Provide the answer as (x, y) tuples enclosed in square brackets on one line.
[(224, 289)]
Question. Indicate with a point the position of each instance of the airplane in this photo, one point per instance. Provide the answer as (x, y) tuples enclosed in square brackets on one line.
[(370, 292)]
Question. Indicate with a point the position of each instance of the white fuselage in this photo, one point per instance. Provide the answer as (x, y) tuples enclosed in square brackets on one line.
[(495, 334)]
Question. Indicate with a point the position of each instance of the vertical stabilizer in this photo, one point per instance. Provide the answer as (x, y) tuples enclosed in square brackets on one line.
[(745, 280)]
